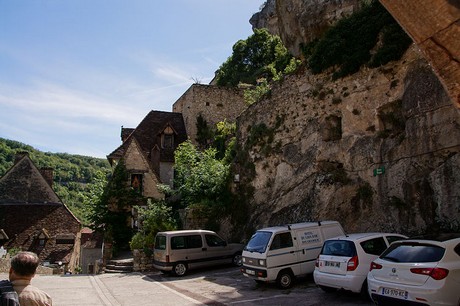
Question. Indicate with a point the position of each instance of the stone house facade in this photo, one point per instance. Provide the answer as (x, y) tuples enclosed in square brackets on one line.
[(32, 217), (213, 103), (148, 151)]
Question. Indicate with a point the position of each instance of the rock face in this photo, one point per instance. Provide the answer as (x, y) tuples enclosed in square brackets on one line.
[(435, 26), (298, 22), (377, 151)]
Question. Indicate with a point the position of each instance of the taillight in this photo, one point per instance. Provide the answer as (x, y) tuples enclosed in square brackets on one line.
[(352, 263), (435, 273), (317, 262), (375, 266), (167, 258)]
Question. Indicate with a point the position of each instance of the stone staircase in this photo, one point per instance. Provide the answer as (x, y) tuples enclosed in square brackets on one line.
[(122, 264)]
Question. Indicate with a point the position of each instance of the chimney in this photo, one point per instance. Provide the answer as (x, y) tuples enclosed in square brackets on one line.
[(20, 155), (47, 174)]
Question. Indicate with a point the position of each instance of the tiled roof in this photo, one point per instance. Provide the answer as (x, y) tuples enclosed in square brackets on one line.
[(24, 184), (148, 134)]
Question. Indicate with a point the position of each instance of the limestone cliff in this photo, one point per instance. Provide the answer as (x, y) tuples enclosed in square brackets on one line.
[(298, 22), (377, 151)]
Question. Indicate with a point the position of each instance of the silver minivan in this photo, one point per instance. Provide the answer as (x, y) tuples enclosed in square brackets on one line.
[(179, 251)]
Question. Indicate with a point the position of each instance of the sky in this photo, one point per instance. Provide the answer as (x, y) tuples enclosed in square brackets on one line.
[(72, 72)]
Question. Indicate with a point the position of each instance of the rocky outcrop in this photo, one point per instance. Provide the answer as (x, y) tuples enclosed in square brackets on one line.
[(435, 26), (298, 22), (377, 151)]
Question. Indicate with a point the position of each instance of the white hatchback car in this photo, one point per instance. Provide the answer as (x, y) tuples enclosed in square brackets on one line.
[(344, 261), (417, 272)]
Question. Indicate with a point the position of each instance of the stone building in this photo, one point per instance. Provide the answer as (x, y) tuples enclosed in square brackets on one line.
[(213, 103), (148, 151), (32, 216)]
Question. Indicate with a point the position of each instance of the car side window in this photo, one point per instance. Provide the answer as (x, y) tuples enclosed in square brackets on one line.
[(186, 242), (457, 249), (374, 246), (281, 241), (213, 241), (394, 238)]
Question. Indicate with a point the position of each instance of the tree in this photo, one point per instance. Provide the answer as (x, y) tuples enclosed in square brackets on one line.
[(201, 177), (155, 217), (111, 211), (261, 55)]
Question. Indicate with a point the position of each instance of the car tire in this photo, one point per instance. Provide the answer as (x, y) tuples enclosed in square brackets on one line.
[(328, 289), (364, 291), (180, 269), (237, 260), (285, 279)]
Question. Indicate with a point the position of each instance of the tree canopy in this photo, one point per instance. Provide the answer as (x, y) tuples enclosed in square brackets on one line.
[(261, 55)]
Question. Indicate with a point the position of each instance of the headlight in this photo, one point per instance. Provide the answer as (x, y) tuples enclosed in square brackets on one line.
[(262, 262), (244, 259)]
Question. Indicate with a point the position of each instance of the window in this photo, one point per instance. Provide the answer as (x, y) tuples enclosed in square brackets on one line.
[(167, 138), (136, 182), (394, 238), (186, 242), (339, 248), (160, 242), (281, 241), (374, 246), (213, 241), (258, 242), (413, 252)]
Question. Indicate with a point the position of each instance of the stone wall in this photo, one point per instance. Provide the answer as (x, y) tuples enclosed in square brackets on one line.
[(377, 151), (142, 261), (5, 268), (214, 103)]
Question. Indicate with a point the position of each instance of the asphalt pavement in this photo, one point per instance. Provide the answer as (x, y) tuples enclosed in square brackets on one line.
[(216, 287), (108, 290)]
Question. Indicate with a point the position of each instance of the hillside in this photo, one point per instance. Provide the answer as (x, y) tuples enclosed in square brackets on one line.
[(73, 174)]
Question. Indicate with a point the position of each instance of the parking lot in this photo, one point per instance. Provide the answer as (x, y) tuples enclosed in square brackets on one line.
[(227, 286), (218, 286)]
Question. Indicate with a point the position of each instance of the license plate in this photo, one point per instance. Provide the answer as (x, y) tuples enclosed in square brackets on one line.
[(250, 272), (334, 264), (395, 293)]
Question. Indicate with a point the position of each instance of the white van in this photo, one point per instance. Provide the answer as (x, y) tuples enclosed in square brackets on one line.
[(179, 251), (283, 252)]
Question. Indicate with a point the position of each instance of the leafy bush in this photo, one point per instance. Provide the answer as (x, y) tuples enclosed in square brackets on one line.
[(261, 55)]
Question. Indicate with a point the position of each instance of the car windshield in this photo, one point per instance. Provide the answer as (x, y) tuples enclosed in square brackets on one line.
[(413, 252), (258, 242), (339, 248)]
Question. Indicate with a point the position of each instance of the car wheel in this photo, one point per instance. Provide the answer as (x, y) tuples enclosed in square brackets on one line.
[(180, 269), (285, 279), (328, 289), (236, 260)]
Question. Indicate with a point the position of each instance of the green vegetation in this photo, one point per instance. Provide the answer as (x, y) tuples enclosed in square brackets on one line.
[(73, 174), (258, 60), (110, 210), (201, 178), (156, 216), (261, 55), (352, 41)]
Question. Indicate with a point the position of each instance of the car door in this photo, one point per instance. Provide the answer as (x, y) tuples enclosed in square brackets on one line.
[(217, 250), (282, 252)]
